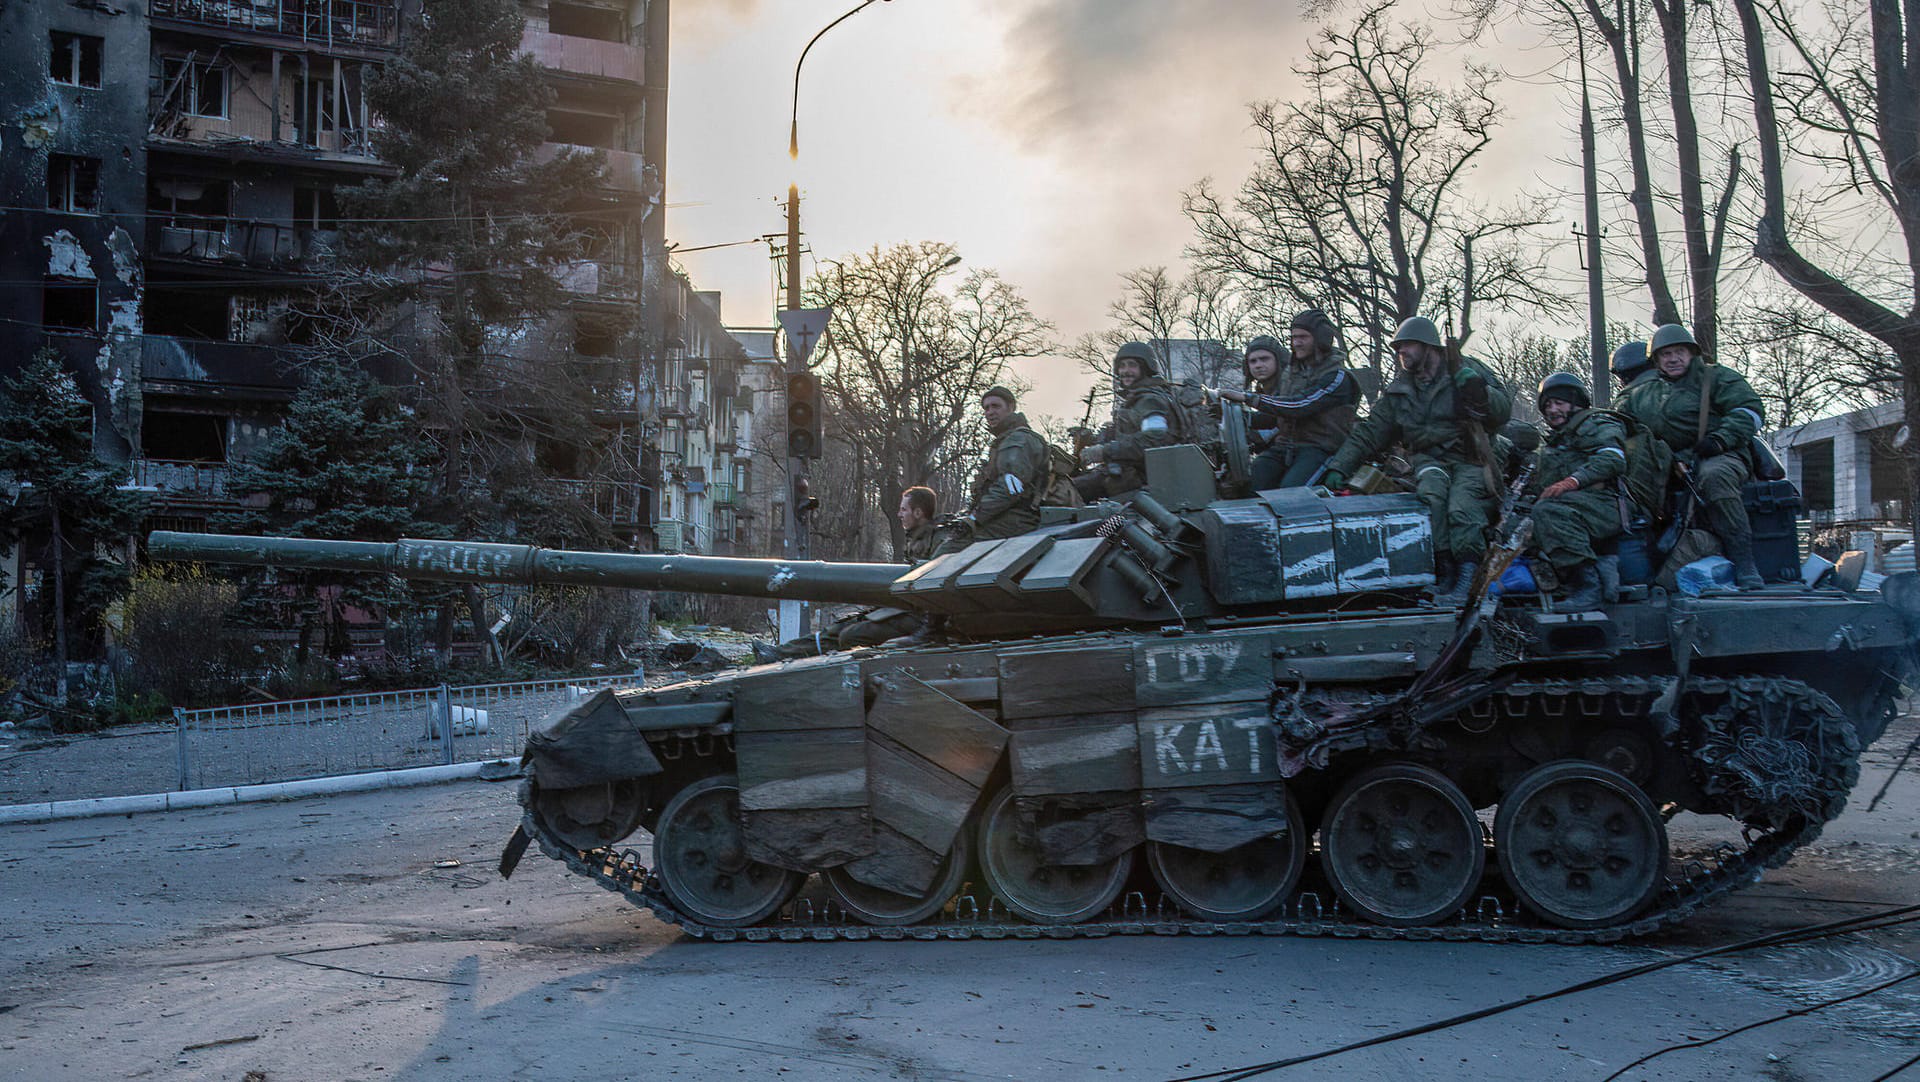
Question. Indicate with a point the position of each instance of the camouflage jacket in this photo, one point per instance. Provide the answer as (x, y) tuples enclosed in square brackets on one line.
[(1014, 475), (1307, 405), (1423, 420), (1590, 448), (919, 544), (1150, 396), (1670, 408)]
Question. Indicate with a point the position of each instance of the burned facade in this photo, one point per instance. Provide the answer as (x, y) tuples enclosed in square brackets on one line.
[(170, 171)]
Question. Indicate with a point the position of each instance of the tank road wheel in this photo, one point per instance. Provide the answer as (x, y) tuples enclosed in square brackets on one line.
[(1401, 845), (871, 905), (590, 816), (1042, 893), (1580, 845), (1243, 883), (1233, 446), (702, 862)]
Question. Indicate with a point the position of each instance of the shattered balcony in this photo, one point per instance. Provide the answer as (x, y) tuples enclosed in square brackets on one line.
[(361, 23), (239, 241), (587, 57)]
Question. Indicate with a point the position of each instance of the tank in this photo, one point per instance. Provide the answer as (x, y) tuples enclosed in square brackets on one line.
[(1196, 714)]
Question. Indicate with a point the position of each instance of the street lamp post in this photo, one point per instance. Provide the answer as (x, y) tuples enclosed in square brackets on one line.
[(793, 614)]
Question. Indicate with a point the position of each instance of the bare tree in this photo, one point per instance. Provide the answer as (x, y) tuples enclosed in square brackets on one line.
[(1204, 307), (904, 365), (1848, 104), (1356, 204), (1804, 362)]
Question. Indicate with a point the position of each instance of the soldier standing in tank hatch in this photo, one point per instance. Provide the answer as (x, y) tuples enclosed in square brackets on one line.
[(1708, 414), (1576, 502), (1144, 415), (1445, 416), (1303, 411), (1011, 480), (916, 512)]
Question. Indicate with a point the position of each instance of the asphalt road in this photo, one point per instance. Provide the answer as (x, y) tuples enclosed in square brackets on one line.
[(367, 937)]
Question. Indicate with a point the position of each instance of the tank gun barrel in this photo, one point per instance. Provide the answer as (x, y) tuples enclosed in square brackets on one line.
[(467, 561)]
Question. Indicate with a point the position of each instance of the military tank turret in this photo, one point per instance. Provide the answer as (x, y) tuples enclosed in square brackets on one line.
[(1215, 689)]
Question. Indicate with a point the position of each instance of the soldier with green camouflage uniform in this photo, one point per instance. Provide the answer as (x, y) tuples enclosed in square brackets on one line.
[(1576, 502), (1446, 423), (1007, 490), (1717, 461), (1144, 415)]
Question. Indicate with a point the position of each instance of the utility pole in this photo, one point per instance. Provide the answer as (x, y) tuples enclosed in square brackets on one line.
[(1596, 284), (799, 484)]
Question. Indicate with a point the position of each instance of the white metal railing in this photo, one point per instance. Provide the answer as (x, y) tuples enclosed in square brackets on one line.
[(254, 743)]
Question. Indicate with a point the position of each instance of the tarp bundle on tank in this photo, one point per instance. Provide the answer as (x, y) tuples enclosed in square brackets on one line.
[(1323, 547)]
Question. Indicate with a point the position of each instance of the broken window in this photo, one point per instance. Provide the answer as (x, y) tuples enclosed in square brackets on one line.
[(75, 59), (584, 129), (594, 339), (68, 305), (189, 202), (315, 208), (315, 110), (586, 21), (73, 183), (185, 312), (194, 87), (169, 436)]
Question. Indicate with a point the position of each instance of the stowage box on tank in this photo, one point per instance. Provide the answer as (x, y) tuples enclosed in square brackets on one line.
[(1201, 693)]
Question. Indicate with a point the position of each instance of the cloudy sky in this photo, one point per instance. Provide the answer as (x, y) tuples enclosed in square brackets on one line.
[(1048, 139)]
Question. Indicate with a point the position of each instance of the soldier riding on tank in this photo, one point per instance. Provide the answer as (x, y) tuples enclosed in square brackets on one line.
[(1302, 409), (1576, 502), (1011, 480), (1709, 415), (1445, 416), (1144, 415)]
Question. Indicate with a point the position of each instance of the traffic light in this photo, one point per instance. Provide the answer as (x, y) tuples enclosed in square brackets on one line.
[(803, 415)]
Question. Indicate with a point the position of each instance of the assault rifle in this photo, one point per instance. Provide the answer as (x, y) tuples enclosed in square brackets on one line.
[(1510, 535), (1471, 426)]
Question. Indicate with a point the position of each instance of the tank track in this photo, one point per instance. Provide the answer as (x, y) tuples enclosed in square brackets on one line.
[(1699, 883)]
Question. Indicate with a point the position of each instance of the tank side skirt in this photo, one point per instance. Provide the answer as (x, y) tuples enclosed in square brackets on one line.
[(1697, 885)]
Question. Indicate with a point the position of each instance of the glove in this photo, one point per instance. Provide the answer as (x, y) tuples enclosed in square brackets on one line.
[(1470, 397), (1333, 480), (1467, 375), (1559, 488), (1707, 447)]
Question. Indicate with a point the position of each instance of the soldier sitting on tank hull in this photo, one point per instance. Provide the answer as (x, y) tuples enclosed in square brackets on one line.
[(1144, 416), (918, 506), (1709, 415), (1445, 422), (1576, 502), (1302, 411), (1011, 481)]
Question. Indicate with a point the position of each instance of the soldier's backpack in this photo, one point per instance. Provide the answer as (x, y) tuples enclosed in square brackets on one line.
[(1059, 490), (1649, 467), (1199, 418)]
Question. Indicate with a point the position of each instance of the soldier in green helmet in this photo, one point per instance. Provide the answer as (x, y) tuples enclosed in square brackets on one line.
[(1709, 415), (1630, 364), (1445, 418), (1576, 502), (1144, 416)]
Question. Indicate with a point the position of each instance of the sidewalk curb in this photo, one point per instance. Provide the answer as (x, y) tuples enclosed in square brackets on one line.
[(249, 794)]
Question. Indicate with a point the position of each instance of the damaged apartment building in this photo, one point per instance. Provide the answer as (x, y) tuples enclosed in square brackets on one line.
[(169, 170)]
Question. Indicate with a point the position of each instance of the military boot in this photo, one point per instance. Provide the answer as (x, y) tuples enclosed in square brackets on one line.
[(1457, 594), (1443, 574), (1583, 590), (1736, 539)]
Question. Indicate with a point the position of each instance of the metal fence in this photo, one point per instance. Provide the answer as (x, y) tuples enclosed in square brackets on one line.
[(385, 730)]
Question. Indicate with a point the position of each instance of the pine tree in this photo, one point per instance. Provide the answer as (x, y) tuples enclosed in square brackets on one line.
[(467, 247), (67, 500), (347, 463)]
